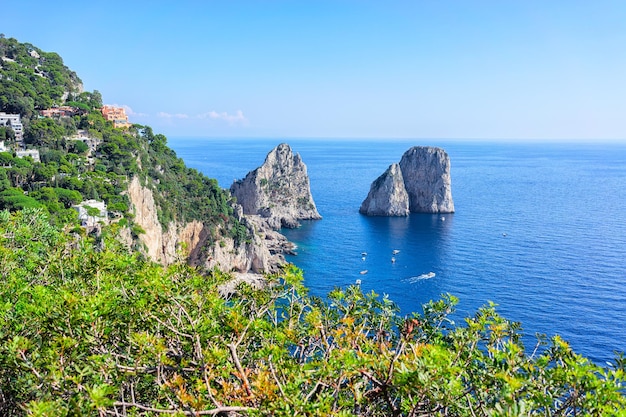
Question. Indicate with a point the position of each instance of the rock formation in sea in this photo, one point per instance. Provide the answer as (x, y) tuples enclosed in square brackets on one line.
[(387, 196), (420, 183), (278, 191)]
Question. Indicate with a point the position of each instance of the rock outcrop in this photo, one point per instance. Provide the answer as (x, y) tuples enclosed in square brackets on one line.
[(262, 253), (387, 196), (278, 190), (420, 183), (275, 195)]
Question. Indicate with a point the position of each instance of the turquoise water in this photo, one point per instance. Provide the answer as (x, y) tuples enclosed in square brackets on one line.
[(539, 229)]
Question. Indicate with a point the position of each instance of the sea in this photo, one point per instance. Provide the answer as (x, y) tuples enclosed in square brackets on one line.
[(539, 229)]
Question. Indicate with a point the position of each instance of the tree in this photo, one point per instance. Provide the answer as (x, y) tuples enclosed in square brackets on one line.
[(4, 180), (45, 172), (79, 147), (68, 197), (7, 133), (44, 132), (14, 199), (92, 100), (21, 171), (68, 125), (6, 159)]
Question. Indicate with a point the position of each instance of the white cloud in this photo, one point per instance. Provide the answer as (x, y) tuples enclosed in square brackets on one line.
[(165, 115), (232, 119)]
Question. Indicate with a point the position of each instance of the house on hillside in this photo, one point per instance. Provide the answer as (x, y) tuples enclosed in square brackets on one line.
[(91, 212), (33, 153), (117, 115), (14, 122), (3, 148), (62, 111), (92, 143)]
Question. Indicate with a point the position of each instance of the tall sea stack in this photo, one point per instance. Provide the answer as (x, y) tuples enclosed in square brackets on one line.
[(278, 190), (420, 183)]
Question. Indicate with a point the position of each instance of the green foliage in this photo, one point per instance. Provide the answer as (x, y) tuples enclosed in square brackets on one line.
[(79, 147), (68, 197), (7, 134), (89, 328), (4, 180), (44, 132), (15, 199), (87, 101), (6, 159), (31, 78)]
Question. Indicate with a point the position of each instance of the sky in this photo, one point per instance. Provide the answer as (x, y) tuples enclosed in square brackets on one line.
[(450, 69)]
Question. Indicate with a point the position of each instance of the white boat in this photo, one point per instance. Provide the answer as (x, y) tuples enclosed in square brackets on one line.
[(395, 251), (363, 272)]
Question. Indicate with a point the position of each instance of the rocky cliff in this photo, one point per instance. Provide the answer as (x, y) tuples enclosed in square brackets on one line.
[(198, 243), (278, 191), (420, 183)]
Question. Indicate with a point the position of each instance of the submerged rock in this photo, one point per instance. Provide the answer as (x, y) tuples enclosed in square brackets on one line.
[(278, 190), (420, 183)]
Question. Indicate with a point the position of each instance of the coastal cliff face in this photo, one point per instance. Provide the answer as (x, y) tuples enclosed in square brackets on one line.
[(420, 183), (278, 191), (261, 253)]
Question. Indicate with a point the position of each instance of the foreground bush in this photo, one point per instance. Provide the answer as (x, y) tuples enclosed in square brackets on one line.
[(87, 328)]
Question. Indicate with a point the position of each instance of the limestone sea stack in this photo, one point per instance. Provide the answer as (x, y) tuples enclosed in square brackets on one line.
[(278, 190), (387, 196), (420, 183)]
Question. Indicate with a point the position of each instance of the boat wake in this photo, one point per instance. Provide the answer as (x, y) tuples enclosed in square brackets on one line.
[(422, 277)]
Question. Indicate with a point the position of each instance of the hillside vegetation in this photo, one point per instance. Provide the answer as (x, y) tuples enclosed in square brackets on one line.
[(33, 79), (70, 172), (89, 327)]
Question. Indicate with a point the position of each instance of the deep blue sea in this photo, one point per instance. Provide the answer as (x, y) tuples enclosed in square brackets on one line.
[(539, 229)]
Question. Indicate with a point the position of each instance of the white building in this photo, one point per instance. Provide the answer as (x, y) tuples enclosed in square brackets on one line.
[(3, 148), (88, 219), (33, 153), (82, 136), (14, 122)]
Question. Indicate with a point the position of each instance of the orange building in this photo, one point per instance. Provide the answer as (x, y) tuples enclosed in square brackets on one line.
[(117, 115)]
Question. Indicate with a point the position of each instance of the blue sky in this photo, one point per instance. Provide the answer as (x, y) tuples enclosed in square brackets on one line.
[(347, 68)]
